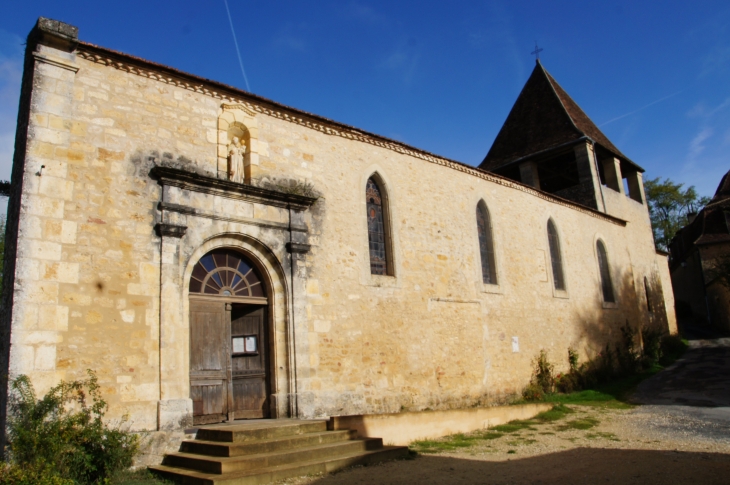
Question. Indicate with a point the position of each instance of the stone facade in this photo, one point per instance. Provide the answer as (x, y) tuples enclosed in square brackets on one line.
[(120, 188)]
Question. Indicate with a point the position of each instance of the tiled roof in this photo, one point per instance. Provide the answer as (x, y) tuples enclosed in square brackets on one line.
[(543, 117), (711, 226)]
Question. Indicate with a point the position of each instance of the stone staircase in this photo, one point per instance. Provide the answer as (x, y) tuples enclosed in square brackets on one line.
[(264, 451)]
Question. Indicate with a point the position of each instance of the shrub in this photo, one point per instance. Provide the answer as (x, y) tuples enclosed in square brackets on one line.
[(63, 434), (652, 352), (567, 383), (542, 382), (533, 392), (672, 347), (626, 354), (543, 376), (30, 475), (573, 359)]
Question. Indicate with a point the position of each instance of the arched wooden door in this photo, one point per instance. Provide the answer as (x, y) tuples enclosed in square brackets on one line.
[(229, 348)]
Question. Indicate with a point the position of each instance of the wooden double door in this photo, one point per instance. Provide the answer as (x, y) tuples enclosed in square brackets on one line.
[(229, 361)]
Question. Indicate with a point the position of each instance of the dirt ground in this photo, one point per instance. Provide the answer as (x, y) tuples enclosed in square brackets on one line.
[(664, 443)]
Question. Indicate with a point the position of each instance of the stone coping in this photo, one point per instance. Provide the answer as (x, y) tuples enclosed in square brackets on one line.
[(404, 428)]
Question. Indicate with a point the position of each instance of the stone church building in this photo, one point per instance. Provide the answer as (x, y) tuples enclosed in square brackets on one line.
[(215, 255)]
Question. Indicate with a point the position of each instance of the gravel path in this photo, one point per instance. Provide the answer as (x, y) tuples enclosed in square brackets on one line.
[(680, 435)]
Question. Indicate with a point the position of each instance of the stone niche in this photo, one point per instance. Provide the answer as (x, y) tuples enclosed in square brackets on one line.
[(238, 121)]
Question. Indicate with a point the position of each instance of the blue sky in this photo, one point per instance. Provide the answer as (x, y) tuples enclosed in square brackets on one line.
[(442, 76)]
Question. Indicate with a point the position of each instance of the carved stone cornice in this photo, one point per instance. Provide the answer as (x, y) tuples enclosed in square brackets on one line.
[(225, 188), (298, 248), (243, 107), (170, 230)]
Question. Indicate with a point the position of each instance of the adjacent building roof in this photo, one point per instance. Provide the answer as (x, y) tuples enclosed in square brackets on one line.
[(543, 117), (711, 226)]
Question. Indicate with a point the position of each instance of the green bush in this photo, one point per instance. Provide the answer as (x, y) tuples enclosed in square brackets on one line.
[(621, 361), (533, 392), (63, 434), (543, 375), (30, 475), (652, 352), (543, 381), (627, 355), (573, 359), (672, 348)]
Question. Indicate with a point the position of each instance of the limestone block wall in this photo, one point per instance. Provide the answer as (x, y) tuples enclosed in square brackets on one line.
[(97, 287), (433, 335)]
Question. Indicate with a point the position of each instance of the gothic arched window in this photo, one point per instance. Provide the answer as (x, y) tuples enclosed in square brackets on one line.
[(606, 283), (380, 262), (486, 245), (555, 256), (224, 272)]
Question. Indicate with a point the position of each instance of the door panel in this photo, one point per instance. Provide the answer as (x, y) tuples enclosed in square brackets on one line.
[(249, 362), (209, 361)]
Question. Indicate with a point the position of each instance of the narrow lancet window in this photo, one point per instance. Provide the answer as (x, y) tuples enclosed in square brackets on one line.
[(377, 236), (486, 245), (649, 306), (606, 284), (555, 257)]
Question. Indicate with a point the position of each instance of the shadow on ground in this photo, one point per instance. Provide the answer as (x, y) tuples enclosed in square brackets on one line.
[(700, 378), (576, 466)]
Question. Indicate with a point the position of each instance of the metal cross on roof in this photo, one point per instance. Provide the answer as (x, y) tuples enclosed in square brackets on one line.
[(536, 52)]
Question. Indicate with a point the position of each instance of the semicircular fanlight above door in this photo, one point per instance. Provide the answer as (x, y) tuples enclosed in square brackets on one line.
[(224, 272)]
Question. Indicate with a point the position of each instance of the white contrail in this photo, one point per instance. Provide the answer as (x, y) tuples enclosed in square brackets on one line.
[(248, 88), (643, 107)]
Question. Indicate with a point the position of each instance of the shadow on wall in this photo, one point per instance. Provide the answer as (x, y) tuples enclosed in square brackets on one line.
[(602, 323), (576, 466)]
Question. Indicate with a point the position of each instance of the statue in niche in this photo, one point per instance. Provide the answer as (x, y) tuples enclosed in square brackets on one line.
[(236, 151)]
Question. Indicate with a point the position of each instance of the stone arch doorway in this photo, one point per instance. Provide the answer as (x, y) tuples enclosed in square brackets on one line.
[(230, 343)]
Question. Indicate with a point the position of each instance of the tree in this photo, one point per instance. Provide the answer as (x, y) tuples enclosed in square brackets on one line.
[(669, 208)]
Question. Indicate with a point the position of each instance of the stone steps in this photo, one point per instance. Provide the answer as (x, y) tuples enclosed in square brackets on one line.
[(264, 451), (215, 448)]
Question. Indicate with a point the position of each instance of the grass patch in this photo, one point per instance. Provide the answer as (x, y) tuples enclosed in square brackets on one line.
[(558, 411), (599, 434), (511, 452), (513, 426), (138, 477), (581, 424), (489, 435), (454, 442)]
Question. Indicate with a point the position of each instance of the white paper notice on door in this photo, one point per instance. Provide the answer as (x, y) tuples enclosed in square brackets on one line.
[(515, 344), (238, 347)]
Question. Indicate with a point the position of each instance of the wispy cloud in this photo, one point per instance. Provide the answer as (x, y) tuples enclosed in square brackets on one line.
[(288, 41), (365, 14), (697, 145), (498, 35), (717, 59), (289, 37), (403, 59), (641, 109)]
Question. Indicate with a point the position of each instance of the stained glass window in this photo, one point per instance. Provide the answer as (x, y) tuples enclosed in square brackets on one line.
[(486, 246), (226, 273), (377, 239), (606, 284), (555, 257)]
